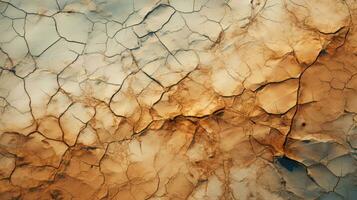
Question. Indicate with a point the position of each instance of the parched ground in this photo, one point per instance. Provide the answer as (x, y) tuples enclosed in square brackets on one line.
[(178, 99)]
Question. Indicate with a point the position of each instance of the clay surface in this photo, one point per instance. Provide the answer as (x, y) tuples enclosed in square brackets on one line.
[(178, 99)]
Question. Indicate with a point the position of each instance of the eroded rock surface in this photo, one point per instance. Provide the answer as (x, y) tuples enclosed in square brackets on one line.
[(179, 99)]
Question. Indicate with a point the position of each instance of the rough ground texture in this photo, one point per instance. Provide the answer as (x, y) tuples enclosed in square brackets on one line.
[(179, 99)]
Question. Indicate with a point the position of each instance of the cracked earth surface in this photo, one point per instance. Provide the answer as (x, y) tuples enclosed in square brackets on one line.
[(178, 99)]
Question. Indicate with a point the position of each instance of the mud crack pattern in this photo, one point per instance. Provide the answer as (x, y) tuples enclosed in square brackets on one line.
[(178, 99)]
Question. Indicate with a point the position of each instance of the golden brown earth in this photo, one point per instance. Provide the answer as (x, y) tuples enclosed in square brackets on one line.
[(178, 99)]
